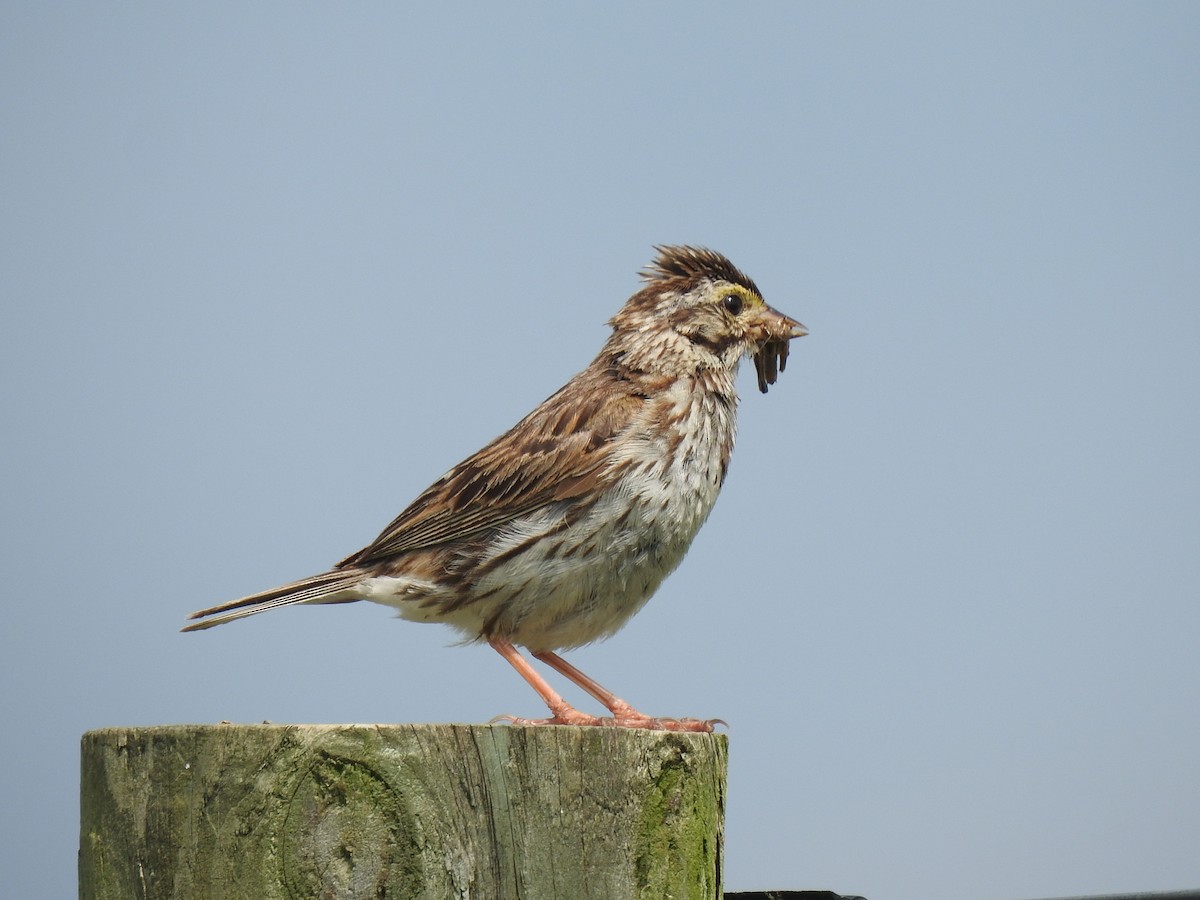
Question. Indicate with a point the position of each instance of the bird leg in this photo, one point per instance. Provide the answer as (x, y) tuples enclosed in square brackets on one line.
[(564, 713), (623, 715)]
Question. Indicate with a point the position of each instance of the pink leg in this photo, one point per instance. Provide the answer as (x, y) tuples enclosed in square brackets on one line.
[(564, 713), (623, 715)]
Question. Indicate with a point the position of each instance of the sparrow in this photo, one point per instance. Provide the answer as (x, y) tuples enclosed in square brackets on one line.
[(558, 531)]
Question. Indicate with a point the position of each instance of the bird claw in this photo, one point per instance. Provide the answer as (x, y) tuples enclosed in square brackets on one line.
[(553, 720), (635, 720), (704, 726)]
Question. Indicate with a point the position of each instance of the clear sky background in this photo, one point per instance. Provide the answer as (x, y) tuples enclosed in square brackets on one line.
[(268, 270)]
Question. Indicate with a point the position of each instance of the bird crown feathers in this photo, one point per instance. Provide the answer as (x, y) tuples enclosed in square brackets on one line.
[(695, 264)]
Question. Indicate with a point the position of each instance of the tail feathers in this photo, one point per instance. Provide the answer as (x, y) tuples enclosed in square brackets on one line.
[(328, 587)]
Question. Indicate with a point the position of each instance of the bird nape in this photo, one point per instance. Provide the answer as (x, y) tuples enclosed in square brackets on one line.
[(558, 531)]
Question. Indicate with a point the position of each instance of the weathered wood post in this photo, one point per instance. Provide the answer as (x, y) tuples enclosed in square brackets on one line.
[(392, 811)]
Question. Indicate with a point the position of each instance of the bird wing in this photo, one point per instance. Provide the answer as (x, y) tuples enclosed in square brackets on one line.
[(559, 452)]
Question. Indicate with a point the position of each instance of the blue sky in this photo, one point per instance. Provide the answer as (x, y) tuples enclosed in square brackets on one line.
[(268, 271)]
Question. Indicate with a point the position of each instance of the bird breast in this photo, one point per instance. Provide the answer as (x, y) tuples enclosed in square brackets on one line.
[(581, 569)]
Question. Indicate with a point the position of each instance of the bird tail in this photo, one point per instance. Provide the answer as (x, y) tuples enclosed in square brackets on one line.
[(328, 587)]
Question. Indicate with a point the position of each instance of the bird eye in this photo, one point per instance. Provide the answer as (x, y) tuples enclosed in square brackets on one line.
[(732, 303)]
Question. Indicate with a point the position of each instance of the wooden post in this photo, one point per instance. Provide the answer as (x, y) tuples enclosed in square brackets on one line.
[(392, 811)]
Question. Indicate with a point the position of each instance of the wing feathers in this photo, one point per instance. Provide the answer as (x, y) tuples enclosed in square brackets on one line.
[(559, 452)]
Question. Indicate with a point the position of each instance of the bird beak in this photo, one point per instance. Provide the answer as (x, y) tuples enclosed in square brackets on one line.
[(779, 326), (797, 330), (774, 330)]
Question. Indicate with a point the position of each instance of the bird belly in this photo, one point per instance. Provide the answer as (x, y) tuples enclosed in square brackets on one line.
[(583, 583)]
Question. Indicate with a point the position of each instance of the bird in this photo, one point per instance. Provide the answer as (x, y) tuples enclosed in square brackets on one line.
[(556, 533)]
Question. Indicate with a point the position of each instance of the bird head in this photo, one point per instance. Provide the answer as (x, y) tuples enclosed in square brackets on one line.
[(699, 311)]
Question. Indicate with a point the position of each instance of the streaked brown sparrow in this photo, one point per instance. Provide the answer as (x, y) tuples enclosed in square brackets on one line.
[(557, 532)]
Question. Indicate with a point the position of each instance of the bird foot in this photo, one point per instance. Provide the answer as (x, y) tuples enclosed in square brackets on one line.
[(631, 719)]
